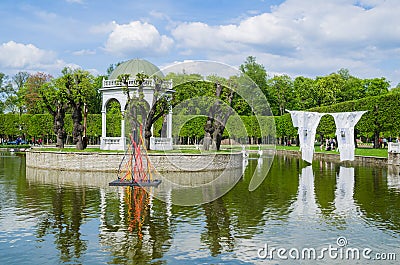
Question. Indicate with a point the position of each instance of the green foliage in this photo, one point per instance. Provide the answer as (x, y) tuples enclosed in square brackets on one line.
[(382, 115), (94, 101), (40, 125), (304, 93), (113, 125), (31, 93), (94, 125), (327, 89), (282, 93), (256, 72), (9, 125), (37, 125), (284, 126), (194, 127)]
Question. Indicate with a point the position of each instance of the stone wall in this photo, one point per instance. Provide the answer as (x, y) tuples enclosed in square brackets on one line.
[(110, 162), (394, 158)]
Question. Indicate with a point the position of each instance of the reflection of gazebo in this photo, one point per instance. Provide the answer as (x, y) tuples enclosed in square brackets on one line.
[(112, 90)]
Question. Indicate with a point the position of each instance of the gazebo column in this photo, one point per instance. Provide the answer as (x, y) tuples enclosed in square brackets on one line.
[(123, 130), (169, 123), (103, 124)]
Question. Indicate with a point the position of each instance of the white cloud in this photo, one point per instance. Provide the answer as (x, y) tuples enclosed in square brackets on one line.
[(84, 52), (136, 36), (304, 37), (18, 55), (27, 57)]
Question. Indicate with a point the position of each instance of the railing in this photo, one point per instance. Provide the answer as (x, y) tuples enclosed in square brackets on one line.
[(394, 147), (111, 140), (134, 83), (113, 143), (157, 143)]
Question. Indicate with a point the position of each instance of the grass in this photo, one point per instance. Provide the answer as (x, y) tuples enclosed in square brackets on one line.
[(359, 151), (14, 146)]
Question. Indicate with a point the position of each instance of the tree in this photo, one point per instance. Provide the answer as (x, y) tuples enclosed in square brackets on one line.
[(12, 95), (217, 118), (304, 93), (19, 80), (160, 107), (137, 105), (54, 100), (94, 102), (188, 86), (327, 89), (2, 94), (77, 86), (282, 90), (257, 73), (8, 94), (376, 86), (31, 96)]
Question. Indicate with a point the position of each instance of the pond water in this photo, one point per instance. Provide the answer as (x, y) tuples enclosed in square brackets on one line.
[(325, 213)]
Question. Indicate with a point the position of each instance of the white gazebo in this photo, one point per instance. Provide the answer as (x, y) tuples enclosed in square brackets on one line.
[(112, 90)]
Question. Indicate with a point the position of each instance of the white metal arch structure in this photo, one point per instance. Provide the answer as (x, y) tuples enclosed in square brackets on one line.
[(307, 123)]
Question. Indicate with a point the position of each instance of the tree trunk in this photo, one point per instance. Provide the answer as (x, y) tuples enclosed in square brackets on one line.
[(376, 140), (207, 135), (58, 128), (355, 138), (377, 127), (215, 126), (78, 128), (147, 130), (84, 138)]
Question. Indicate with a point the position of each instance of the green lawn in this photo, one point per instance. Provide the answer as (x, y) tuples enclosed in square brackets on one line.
[(14, 146), (359, 151)]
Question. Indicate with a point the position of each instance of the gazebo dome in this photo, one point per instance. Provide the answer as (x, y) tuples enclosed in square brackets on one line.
[(135, 66)]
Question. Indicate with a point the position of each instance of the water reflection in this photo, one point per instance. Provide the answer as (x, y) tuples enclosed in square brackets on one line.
[(195, 188), (135, 229), (344, 193), (306, 202), (393, 178), (75, 217)]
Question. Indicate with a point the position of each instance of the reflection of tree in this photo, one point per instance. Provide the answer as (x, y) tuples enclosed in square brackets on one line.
[(272, 199), (325, 185), (376, 201), (65, 223), (68, 238), (218, 236)]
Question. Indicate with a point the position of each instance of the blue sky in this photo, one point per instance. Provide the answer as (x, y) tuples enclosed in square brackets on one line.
[(295, 37)]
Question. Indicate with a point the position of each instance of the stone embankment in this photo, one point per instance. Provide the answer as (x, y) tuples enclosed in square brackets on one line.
[(110, 162)]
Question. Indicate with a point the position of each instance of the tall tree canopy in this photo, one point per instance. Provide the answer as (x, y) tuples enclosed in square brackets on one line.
[(31, 94), (54, 100), (77, 87)]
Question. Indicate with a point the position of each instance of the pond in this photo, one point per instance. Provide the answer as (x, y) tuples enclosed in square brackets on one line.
[(300, 214)]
